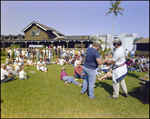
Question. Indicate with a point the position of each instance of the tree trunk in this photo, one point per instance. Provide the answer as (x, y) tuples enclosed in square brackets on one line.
[(112, 32)]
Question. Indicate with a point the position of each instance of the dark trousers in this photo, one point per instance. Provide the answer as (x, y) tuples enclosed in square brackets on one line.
[(7, 79)]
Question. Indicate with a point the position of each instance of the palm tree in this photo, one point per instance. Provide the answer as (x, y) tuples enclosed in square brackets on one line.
[(115, 9)]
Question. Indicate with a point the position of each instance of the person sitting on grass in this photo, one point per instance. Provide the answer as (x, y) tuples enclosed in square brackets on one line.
[(33, 62), (17, 69), (5, 74), (147, 65), (57, 60), (135, 66), (78, 71), (41, 65), (47, 61), (9, 67), (62, 61), (108, 75), (143, 66), (22, 73), (68, 79), (7, 60), (29, 62)]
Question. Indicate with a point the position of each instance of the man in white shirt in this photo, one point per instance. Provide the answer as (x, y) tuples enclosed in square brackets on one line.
[(126, 53), (29, 62), (41, 65), (132, 53), (77, 60), (62, 61), (4, 74), (119, 70)]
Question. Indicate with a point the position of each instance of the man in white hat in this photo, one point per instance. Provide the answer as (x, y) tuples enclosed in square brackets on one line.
[(119, 69)]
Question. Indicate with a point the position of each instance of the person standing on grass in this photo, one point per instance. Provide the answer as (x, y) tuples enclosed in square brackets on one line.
[(68, 79), (5, 74), (91, 63), (119, 69)]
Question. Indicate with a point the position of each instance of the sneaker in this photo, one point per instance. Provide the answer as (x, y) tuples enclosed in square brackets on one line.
[(112, 97), (125, 94), (93, 98), (84, 93)]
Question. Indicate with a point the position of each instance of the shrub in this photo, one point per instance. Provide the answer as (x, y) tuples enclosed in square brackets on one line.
[(3, 53)]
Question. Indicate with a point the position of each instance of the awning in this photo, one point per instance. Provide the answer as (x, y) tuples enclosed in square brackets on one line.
[(37, 46)]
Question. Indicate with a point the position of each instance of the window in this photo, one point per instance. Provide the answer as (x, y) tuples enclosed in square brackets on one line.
[(11, 38), (20, 37), (35, 33), (32, 33)]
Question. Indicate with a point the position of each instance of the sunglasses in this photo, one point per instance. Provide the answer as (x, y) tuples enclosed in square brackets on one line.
[(114, 43)]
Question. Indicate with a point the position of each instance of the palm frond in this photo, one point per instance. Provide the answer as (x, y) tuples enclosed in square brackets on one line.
[(120, 12), (108, 12)]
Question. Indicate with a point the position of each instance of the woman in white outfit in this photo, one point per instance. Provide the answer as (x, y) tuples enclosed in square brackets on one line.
[(119, 69)]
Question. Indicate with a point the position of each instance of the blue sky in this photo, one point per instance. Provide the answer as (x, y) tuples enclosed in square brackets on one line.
[(75, 17)]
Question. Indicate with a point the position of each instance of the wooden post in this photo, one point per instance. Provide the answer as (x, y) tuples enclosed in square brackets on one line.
[(67, 44), (26, 44)]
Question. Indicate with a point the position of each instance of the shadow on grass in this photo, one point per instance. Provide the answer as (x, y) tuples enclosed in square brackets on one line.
[(132, 75), (136, 93), (105, 85)]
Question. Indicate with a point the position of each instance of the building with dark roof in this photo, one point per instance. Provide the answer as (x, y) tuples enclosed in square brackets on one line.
[(38, 34)]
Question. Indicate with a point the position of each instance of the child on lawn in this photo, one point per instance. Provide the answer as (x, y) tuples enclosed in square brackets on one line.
[(22, 73)]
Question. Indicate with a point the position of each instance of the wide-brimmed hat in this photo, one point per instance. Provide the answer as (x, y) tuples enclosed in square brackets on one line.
[(117, 41), (63, 68)]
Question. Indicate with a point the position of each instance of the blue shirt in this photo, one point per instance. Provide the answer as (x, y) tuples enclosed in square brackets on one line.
[(91, 56)]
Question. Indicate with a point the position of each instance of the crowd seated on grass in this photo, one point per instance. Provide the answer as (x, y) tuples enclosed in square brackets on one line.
[(18, 58)]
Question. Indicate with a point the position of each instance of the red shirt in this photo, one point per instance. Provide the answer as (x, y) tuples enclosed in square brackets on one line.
[(78, 70), (63, 74)]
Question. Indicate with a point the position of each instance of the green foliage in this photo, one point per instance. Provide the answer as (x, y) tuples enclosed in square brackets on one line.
[(3, 53), (105, 51), (15, 46), (136, 39)]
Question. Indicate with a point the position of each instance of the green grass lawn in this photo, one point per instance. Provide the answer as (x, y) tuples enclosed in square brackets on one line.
[(46, 96)]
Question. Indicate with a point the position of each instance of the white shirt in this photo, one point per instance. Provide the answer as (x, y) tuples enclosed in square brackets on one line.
[(41, 63), (61, 61), (17, 68), (132, 52), (126, 52), (143, 65), (147, 65), (3, 73), (118, 56), (29, 61), (23, 52), (10, 69), (73, 52), (17, 52), (75, 63), (22, 74)]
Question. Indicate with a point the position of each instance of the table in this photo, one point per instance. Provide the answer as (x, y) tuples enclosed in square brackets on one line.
[(147, 82)]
